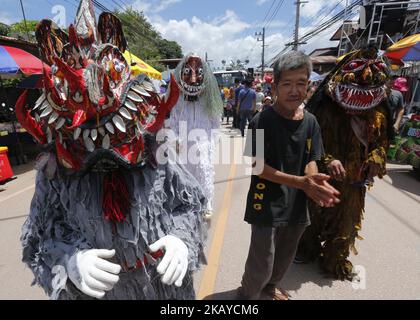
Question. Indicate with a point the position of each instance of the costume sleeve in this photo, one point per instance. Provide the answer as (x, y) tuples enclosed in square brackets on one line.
[(379, 142), (48, 238), (326, 121)]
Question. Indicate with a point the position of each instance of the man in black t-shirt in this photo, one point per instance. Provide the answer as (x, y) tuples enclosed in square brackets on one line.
[(277, 198)]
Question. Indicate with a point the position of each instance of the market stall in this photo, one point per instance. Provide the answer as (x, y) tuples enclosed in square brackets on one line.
[(406, 147), (14, 64)]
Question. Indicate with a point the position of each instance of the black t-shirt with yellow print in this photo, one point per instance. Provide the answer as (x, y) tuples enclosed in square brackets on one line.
[(289, 145)]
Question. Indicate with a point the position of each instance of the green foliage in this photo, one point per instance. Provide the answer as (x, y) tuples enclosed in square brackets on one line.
[(144, 41), (170, 49), (22, 29), (10, 83), (4, 29)]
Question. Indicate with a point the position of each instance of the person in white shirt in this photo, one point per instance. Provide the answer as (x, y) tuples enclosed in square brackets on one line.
[(260, 97)]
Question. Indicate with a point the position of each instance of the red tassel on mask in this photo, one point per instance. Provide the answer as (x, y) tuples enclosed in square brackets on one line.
[(115, 203)]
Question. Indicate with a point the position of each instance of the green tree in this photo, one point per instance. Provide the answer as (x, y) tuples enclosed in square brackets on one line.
[(4, 29), (23, 28), (170, 49), (144, 41)]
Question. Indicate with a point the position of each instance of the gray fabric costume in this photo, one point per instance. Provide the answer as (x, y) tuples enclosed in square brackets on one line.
[(66, 216)]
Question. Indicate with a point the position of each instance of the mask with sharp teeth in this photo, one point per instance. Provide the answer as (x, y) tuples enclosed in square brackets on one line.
[(192, 76), (360, 85), (91, 110)]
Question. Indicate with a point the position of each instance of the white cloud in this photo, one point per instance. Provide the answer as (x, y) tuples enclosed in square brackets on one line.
[(141, 5), (228, 37), (261, 2), (313, 7), (322, 40), (165, 4), (275, 24), (6, 18), (222, 38), (147, 6)]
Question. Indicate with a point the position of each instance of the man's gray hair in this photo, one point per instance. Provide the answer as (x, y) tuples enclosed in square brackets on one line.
[(291, 61)]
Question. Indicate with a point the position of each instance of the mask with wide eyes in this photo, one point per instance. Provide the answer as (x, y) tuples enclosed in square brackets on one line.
[(359, 85), (379, 66), (192, 76), (187, 71), (355, 66)]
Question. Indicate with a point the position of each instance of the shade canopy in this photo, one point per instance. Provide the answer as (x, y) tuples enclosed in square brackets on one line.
[(407, 49), (141, 66), (15, 62)]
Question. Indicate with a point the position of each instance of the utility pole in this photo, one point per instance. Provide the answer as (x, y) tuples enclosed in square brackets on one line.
[(24, 20), (262, 35), (296, 42)]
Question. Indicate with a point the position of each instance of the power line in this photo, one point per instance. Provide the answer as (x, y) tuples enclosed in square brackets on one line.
[(256, 42), (276, 11), (124, 3), (24, 20), (329, 23), (327, 10), (268, 22), (268, 11), (322, 27), (119, 5)]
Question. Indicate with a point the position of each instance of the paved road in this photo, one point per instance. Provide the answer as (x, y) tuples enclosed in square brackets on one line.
[(388, 259)]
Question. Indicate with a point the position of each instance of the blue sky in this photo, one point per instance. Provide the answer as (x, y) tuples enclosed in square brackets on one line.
[(225, 29)]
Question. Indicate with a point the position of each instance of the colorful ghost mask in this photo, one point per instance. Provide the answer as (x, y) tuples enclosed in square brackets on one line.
[(360, 84), (91, 109), (192, 76)]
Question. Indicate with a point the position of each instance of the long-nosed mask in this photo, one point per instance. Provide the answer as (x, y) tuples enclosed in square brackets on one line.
[(91, 110)]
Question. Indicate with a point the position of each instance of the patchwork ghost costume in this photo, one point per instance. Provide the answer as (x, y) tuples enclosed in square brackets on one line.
[(98, 184), (195, 121)]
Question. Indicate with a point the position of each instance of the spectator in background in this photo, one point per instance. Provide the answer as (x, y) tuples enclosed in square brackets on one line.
[(246, 105), (396, 101), (228, 106), (222, 93), (259, 97), (223, 97), (237, 90), (267, 103), (226, 91)]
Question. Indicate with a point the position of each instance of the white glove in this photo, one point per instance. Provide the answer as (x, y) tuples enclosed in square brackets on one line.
[(91, 274), (174, 264)]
